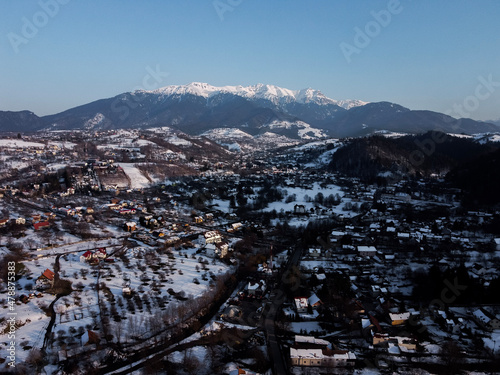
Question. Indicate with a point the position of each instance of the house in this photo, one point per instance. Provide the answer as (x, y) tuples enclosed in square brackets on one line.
[(3, 222), (86, 256), (198, 220), (41, 224), (314, 301), (100, 253), (299, 209), (45, 280), (404, 344), (222, 249), (20, 221), (213, 236), (398, 319), (236, 226), (303, 354), (130, 226), (486, 320), (314, 252), (367, 251), (256, 289), (301, 304)]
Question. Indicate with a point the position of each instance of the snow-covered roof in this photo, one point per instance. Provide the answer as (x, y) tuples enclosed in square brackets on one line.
[(314, 299), (306, 353), (480, 315), (310, 340), (399, 316), (367, 249), (393, 349), (321, 353)]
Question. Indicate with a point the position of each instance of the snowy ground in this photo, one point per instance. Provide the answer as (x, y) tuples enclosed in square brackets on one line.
[(137, 179), (303, 195), (181, 273), (19, 143)]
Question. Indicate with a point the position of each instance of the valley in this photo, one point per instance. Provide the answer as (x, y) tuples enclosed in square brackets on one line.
[(146, 249)]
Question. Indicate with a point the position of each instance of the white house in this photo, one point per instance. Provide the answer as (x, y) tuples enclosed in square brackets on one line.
[(212, 236), (367, 251), (301, 304)]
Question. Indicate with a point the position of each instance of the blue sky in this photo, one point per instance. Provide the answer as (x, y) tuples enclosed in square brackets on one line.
[(432, 55)]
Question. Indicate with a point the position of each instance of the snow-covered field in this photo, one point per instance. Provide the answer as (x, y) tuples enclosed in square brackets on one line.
[(137, 179), (20, 143), (303, 195), (154, 279), (315, 144), (227, 133), (304, 130)]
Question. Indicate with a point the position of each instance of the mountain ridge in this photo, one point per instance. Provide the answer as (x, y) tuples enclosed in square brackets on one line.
[(198, 107)]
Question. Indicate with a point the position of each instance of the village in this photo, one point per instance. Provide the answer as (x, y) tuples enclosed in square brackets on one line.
[(234, 260)]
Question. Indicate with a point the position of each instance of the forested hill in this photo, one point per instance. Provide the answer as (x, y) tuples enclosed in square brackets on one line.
[(416, 155), (480, 179)]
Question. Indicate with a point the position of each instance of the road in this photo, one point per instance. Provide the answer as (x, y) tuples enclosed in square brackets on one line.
[(277, 357), (53, 314)]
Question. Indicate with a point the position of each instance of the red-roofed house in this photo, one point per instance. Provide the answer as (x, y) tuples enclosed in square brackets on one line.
[(100, 253), (86, 256), (41, 224), (48, 274), (46, 280)]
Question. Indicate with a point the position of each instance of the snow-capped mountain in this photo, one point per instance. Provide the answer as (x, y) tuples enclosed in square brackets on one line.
[(276, 95), (197, 107)]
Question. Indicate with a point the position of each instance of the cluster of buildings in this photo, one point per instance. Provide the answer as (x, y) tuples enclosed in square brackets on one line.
[(309, 351)]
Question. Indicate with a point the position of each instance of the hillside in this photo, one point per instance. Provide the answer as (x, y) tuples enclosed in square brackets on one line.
[(480, 179), (370, 157)]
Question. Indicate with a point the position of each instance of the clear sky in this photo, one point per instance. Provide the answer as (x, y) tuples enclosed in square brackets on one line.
[(422, 54)]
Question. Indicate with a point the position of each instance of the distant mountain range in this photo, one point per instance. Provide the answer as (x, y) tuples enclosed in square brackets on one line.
[(199, 107)]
